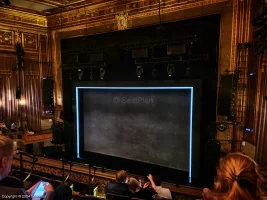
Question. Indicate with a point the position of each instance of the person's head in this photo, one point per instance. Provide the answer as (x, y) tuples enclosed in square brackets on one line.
[(206, 193), (237, 178), (157, 180), (133, 185), (121, 176), (63, 192), (6, 155)]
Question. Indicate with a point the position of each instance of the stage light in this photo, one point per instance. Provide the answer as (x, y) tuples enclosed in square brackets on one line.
[(252, 74), (80, 74), (91, 75), (170, 69), (102, 72), (249, 130), (221, 126), (139, 71)]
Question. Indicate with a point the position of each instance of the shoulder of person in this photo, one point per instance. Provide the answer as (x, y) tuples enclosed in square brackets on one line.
[(9, 190)]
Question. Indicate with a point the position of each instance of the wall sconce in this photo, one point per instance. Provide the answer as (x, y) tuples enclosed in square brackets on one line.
[(170, 69), (22, 102), (139, 71), (80, 74), (102, 73)]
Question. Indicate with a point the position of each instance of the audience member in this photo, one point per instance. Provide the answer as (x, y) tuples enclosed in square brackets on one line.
[(161, 192), (63, 192), (6, 158), (119, 187), (145, 192), (237, 178)]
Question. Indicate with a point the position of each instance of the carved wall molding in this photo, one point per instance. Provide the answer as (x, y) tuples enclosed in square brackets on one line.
[(107, 11), (9, 16)]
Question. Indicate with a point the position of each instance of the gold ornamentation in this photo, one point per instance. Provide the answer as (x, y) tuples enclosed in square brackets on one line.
[(18, 36), (122, 20), (103, 13), (29, 41), (16, 17), (6, 37), (234, 36)]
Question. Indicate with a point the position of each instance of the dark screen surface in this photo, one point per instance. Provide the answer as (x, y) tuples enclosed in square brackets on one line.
[(147, 125)]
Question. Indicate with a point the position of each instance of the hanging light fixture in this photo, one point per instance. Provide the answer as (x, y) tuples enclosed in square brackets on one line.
[(91, 75), (154, 73), (102, 72), (139, 71), (80, 74), (170, 70)]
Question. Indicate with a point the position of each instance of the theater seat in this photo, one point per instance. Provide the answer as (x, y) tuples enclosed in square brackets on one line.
[(85, 197), (116, 197), (137, 198)]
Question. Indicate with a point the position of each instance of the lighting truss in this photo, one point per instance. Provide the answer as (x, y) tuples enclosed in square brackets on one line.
[(172, 59)]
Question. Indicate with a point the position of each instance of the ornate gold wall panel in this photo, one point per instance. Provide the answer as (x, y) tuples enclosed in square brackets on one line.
[(29, 41), (6, 38)]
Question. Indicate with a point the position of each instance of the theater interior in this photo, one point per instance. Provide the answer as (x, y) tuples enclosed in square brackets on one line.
[(89, 87)]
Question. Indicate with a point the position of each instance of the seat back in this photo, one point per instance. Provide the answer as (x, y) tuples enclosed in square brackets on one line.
[(157, 197), (85, 197), (11, 181), (116, 197)]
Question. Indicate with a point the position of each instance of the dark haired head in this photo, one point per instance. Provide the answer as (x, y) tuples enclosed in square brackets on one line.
[(157, 180)]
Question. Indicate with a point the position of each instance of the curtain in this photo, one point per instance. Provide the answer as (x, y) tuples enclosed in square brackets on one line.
[(32, 88), (29, 106), (9, 105), (261, 121)]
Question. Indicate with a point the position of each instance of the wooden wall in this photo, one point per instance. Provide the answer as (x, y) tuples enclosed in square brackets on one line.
[(30, 31)]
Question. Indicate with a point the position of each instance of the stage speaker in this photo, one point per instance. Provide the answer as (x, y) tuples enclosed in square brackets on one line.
[(48, 91), (212, 158), (96, 57), (225, 95), (139, 53), (114, 56), (176, 49)]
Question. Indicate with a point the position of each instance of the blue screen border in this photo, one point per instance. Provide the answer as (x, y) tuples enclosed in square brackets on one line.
[(77, 89)]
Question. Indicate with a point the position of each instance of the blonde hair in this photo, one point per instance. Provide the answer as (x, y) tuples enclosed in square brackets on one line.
[(206, 192), (237, 178), (121, 176), (134, 184), (6, 146)]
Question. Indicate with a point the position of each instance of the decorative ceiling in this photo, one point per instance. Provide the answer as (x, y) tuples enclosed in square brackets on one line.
[(44, 6)]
